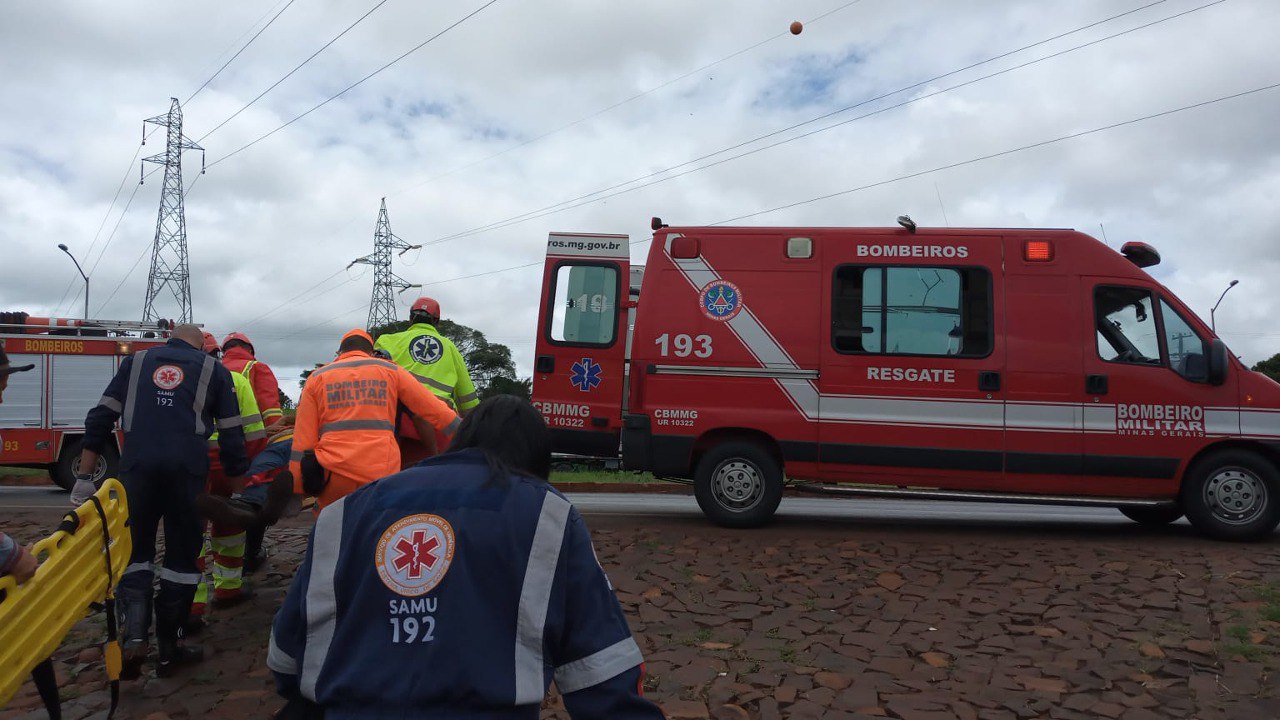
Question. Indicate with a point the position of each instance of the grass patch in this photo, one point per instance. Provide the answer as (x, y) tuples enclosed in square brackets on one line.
[(21, 471), (602, 476), (1248, 651)]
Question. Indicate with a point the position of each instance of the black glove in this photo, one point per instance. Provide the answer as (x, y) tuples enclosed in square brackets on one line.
[(314, 476)]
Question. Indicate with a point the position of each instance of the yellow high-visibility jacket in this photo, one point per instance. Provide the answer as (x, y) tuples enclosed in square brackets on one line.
[(435, 361)]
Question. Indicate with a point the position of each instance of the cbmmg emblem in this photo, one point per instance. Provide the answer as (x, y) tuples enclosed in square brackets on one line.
[(426, 349), (414, 554), (721, 300)]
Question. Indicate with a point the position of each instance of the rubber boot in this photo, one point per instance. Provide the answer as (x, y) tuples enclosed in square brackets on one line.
[(278, 497), (171, 616), (134, 615), (227, 512)]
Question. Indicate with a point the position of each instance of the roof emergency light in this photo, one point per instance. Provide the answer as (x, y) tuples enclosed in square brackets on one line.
[(1037, 251)]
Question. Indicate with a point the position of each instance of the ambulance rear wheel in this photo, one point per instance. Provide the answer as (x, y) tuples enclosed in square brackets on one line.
[(738, 484), (64, 473), (1233, 495), (1153, 515)]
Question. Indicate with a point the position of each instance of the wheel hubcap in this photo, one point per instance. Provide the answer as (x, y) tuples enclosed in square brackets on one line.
[(737, 485), (1235, 495), (99, 469)]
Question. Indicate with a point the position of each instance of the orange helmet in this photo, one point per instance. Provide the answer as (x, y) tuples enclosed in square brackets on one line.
[(426, 305), (210, 343), (237, 336)]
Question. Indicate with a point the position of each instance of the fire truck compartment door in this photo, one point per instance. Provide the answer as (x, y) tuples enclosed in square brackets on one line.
[(23, 404), (77, 384)]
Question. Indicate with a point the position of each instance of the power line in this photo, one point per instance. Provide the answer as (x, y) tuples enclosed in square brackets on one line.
[(294, 70), (273, 310), (350, 87), (620, 103), (1011, 151), (926, 172), (242, 49), (589, 198)]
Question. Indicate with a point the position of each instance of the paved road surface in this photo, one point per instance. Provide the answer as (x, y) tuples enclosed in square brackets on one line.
[(794, 510)]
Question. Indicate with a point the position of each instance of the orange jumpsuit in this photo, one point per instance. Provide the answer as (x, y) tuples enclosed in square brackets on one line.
[(347, 415)]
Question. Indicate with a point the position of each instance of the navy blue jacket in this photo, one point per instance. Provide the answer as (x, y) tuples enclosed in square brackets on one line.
[(438, 593), (168, 399)]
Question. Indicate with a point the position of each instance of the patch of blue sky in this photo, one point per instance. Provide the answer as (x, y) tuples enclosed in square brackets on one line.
[(809, 80), (29, 160)]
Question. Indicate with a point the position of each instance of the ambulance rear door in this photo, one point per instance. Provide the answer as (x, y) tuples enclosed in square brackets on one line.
[(580, 361)]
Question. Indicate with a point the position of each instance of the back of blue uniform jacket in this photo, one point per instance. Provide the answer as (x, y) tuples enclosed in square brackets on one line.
[(168, 398), (440, 592)]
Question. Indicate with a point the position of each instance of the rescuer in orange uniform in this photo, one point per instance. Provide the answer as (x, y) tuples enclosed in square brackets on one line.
[(238, 357), (344, 433)]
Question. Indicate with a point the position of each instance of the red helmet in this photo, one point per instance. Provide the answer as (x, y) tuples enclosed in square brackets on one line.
[(426, 305), (210, 343), (237, 336)]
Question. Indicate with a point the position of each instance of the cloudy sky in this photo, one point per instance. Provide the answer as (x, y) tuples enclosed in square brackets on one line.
[(529, 105)]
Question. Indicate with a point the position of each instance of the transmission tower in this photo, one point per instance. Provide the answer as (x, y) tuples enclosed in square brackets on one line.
[(382, 308), (169, 252)]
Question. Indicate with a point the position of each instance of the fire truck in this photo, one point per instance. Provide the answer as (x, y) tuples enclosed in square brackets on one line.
[(1010, 365), (42, 416)]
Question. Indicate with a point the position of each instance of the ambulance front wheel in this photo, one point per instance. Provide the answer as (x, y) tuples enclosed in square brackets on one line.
[(738, 484), (1233, 495)]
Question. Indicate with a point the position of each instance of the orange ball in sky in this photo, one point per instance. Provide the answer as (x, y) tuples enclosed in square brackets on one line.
[(796, 27)]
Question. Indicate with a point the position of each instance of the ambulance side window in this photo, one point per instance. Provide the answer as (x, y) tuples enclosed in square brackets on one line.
[(912, 311), (1126, 326), (584, 305)]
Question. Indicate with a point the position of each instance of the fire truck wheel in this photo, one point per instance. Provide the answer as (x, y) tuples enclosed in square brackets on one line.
[(1233, 495), (1153, 515), (738, 484), (64, 473)]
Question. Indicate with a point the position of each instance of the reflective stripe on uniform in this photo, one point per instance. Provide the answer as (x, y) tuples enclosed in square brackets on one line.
[(469, 397), (351, 364), (535, 595), (230, 422), (279, 660), (202, 392), (598, 667), (137, 567), (433, 383), (452, 427), (259, 434), (174, 576), (357, 425), (111, 404), (131, 392), (270, 413), (322, 599), (295, 455)]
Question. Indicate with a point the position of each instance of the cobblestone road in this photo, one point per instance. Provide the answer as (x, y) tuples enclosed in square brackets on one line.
[(839, 619)]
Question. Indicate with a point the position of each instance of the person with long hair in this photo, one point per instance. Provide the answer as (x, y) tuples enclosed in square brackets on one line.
[(458, 588)]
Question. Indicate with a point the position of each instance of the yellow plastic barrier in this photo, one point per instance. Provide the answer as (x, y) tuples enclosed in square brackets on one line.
[(36, 616)]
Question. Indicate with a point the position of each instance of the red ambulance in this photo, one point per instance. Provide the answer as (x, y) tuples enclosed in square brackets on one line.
[(1030, 366), (42, 416)]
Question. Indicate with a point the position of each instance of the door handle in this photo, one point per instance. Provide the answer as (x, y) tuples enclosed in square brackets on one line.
[(545, 364), (989, 381), (1095, 384)]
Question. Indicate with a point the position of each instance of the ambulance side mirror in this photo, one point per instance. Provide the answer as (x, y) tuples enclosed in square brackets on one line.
[(1217, 362)]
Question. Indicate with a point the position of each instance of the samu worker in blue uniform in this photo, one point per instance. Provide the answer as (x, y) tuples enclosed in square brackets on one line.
[(169, 400), (458, 588)]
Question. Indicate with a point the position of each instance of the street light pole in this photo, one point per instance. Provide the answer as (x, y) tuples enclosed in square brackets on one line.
[(64, 249), (1212, 323)]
